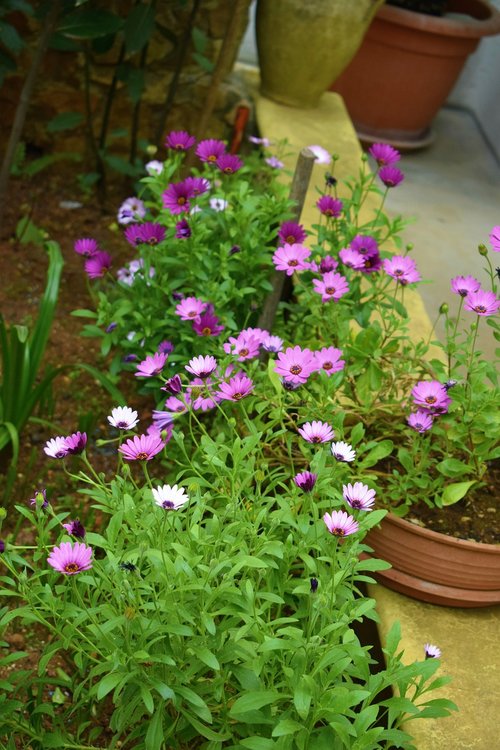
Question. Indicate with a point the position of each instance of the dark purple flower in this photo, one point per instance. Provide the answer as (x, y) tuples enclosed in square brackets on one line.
[(364, 244), (2, 546), (111, 327), (330, 180), (235, 250), (133, 234), (198, 185), (86, 247), (151, 233), (210, 150), (329, 206), (314, 585), (173, 385), (291, 233), (327, 264), (97, 265), (76, 443), (177, 196), (229, 163), (384, 154), (179, 140), (75, 528), (182, 230), (177, 296), (305, 480), (165, 347), (130, 358), (208, 324), (391, 176)]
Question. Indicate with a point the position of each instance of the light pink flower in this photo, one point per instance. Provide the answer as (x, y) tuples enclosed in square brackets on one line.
[(340, 523), (71, 558), (332, 286), (316, 432), (291, 258), (295, 364)]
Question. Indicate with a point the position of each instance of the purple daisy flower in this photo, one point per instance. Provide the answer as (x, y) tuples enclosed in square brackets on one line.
[(201, 394), (201, 366), (329, 206), (327, 264), (364, 245), (70, 558), (421, 420), (142, 447), (291, 233), (208, 324), (259, 141), (432, 651), (291, 258), (123, 418), (86, 247), (340, 523), (237, 388), (177, 196), (305, 480), (56, 447), (358, 495), (151, 233), (431, 395), (75, 528), (295, 364), (332, 286), (372, 263), (131, 210), (494, 238), (177, 405), (256, 333), (328, 359), (243, 347), (133, 234), (40, 498), (210, 150), (402, 268), (198, 185), (274, 162), (351, 258), (482, 303), (179, 140), (75, 443), (272, 344), (316, 432), (97, 265), (384, 155), (173, 385), (229, 163), (462, 285), (391, 176), (165, 347), (190, 308), (152, 365), (343, 452), (162, 420), (182, 230), (322, 156), (170, 498)]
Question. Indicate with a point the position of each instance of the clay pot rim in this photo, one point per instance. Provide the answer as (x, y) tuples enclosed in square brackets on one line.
[(446, 26), (436, 536)]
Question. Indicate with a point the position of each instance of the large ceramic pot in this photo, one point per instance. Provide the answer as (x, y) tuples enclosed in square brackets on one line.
[(434, 567), (406, 67), (304, 46)]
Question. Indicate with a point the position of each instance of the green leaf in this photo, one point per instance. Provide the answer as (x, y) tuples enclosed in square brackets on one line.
[(286, 726), (139, 27), (274, 377), (154, 735), (257, 743), (64, 121), (380, 451), (204, 63), (302, 697), (252, 701), (27, 232), (452, 467), (108, 683), (200, 40), (90, 23), (10, 38), (135, 84), (208, 658), (455, 492)]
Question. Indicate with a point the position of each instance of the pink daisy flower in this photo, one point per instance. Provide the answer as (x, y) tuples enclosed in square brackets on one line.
[(201, 394), (295, 364), (97, 265), (75, 443), (237, 388), (391, 176), (402, 268), (177, 196), (359, 496), (431, 395), (291, 233), (322, 156), (56, 447), (421, 420), (291, 258), (330, 206), (340, 523), (305, 480), (462, 285), (123, 418), (494, 239), (272, 344), (179, 405), (384, 155), (332, 286), (190, 308), (179, 140), (197, 185), (482, 303), (86, 247), (210, 150), (328, 359), (201, 366), (274, 162), (142, 447), (316, 432), (152, 365), (229, 163), (351, 258), (364, 245), (71, 558), (243, 347)]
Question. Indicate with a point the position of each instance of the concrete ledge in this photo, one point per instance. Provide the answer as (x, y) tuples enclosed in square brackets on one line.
[(468, 638)]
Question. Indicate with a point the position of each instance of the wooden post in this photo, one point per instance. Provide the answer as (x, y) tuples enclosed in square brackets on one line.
[(298, 190)]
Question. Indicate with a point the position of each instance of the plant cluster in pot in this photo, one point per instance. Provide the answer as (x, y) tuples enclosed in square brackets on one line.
[(410, 59), (412, 423)]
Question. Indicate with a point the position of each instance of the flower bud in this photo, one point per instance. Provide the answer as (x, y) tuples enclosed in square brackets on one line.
[(409, 247), (151, 149), (443, 309), (314, 585), (483, 250)]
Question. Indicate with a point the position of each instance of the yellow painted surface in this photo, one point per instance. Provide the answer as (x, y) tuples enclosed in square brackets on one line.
[(468, 638)]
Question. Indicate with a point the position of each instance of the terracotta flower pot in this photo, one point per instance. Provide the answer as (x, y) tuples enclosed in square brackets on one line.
[(434, 567), (407, 66), (304, 46)]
